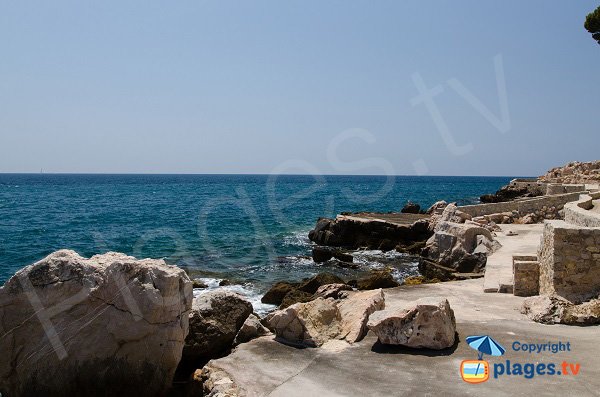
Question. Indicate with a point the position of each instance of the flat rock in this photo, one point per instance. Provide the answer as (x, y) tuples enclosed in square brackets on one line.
[(424, 323)]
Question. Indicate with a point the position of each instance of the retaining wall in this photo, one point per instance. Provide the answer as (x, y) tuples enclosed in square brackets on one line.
[(569, 260)]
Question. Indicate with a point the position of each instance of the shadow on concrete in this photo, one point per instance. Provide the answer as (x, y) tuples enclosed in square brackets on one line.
[(380, 348)]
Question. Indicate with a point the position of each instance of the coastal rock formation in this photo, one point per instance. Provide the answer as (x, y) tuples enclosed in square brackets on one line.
[(107, 325), (437, 207), (556, 310), (314, 323), (425, 323), (574, 173), (355, 232), (411, 208), (285, 294), (323, 254), (335, 291), (277, 292), (507, 193), (215, 320), (251, 329), (459, 246), (212, 381), (380, 278)]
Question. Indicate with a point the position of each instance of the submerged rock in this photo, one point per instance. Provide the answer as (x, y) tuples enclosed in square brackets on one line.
[(314, 323), (107, 325), (425, 323), (215, 320)]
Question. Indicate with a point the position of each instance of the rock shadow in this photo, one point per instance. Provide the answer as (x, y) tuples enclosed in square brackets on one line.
[(381, 348)]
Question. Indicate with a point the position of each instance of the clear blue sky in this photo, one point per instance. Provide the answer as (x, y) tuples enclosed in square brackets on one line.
[(246, 86)]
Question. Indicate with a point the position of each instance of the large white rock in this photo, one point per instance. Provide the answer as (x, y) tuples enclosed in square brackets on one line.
[(316, 322), (425, 323), (107, 325)]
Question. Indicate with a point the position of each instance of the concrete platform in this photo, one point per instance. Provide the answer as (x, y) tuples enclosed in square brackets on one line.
[(265, 367), (498, 270)]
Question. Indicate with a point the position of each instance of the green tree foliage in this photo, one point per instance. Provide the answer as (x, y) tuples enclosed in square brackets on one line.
[(592, 24)]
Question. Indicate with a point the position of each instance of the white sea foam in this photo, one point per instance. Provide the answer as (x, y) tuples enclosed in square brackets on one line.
[(246, 290), (298, 239)]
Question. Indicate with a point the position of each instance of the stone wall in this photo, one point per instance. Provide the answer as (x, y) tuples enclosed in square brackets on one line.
[(532, 185), (569, 258), (559, 188), (526, 275), (524, 206)]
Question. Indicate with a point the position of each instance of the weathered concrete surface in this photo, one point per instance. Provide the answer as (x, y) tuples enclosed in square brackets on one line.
[(264, 367), (498, 270)]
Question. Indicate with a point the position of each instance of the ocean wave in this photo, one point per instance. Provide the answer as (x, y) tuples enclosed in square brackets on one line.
[(299, 239), (248, 291)]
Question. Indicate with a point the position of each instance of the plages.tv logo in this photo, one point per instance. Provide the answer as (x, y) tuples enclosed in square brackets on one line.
[(478, 371)]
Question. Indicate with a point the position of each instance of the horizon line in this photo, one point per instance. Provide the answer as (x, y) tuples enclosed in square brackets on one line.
[(251, 174)]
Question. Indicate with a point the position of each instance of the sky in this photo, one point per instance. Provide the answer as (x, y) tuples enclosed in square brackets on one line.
[(504, 88)]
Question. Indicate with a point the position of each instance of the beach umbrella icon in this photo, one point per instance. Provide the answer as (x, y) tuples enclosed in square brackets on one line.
[(485, 345)]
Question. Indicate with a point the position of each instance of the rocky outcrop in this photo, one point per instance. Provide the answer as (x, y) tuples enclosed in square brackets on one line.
[(574, 173), (275, 295), (320, 320), (335, 291), (556, 310), (411, 208), (425, 323), (355, 232), (323, 254), (380, 278), (285, 294), (508, 193), (107, 325), (251, 329), (215, 319), (459, 246), (212, 381)]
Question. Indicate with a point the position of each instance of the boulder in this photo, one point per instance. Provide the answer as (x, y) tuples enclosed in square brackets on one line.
[(426, 323), (212, 381), (312, 285), (276, 293), (107, 325), (557, 310), (462, 247), (377, 279), (318, 321), (199, 284), (437, 207), (295, 296), (215, 320), (335, 291), (251, 329), (411, 208)]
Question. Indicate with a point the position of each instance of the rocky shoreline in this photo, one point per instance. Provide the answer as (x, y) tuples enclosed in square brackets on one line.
[(114, 324)]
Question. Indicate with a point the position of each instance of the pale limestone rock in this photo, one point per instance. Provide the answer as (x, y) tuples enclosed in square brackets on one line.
[(314, 323), (252, 328), (425, 323), (215, 320), (107, 325), (215, 382), (557, 310), (335, 291)]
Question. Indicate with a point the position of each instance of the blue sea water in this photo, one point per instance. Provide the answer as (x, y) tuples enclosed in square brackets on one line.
[(250, 229)]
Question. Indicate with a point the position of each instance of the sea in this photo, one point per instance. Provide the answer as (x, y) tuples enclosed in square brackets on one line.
[(246, 231)]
